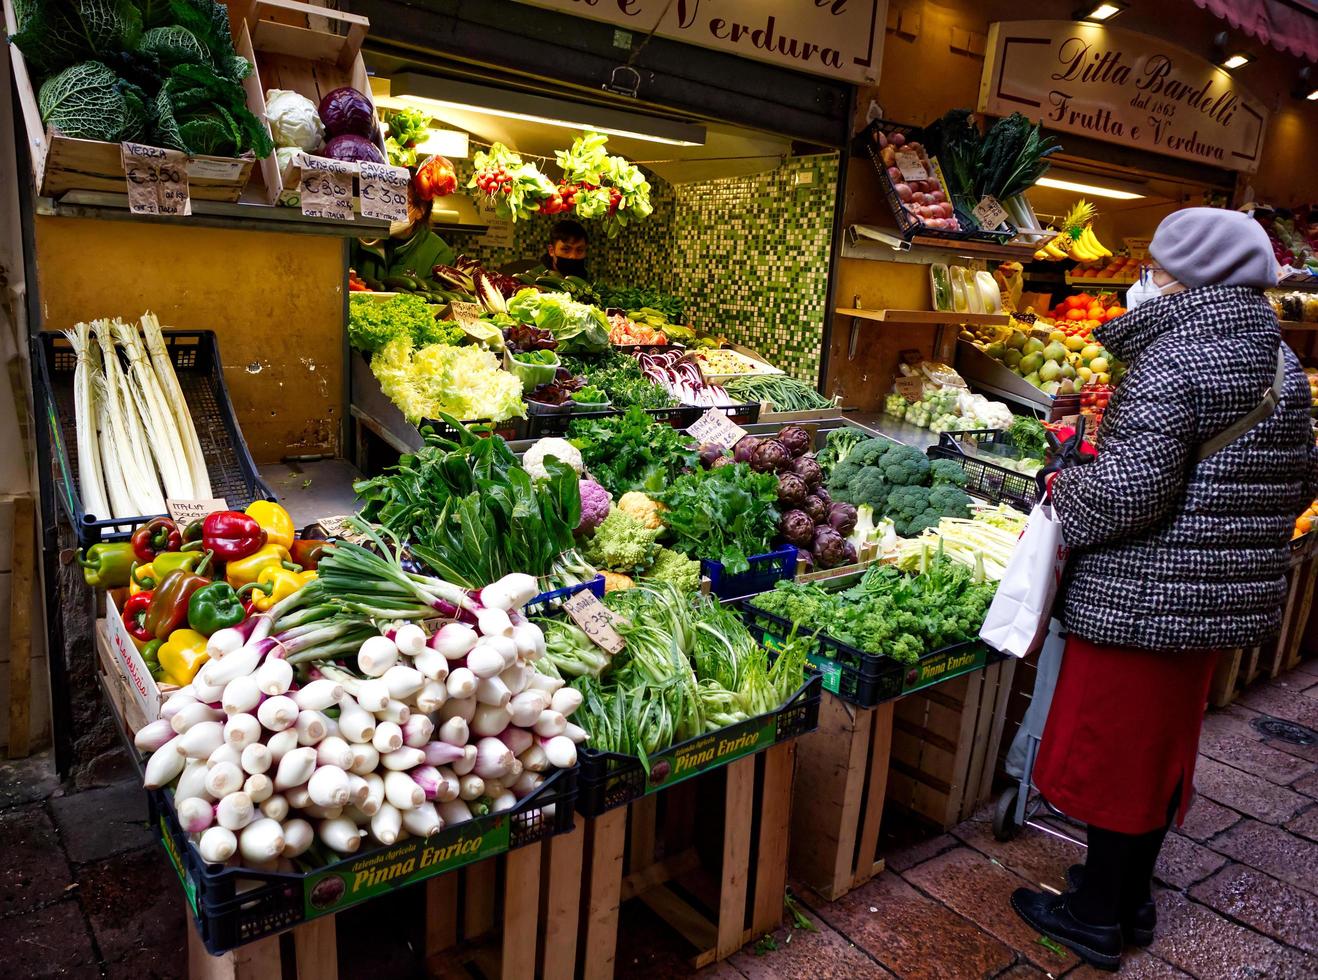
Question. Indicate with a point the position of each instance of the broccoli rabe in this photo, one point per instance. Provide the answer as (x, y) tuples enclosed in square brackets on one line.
[(904, 466), (622, 544), (947, 471)]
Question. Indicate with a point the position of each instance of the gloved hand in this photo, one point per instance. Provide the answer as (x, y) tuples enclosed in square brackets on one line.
[(1071, 452)]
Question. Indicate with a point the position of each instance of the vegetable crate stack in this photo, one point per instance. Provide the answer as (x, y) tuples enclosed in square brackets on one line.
[(316, 737)]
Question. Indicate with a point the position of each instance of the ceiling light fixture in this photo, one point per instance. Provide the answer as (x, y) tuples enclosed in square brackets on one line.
[(450, 143), (1104, 11), (1237, 60), (1096, 190), (431, 93), (1313, 96)]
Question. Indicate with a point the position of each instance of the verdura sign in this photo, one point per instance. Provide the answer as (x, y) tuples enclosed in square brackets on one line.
[(842, 39), (1117, 85)]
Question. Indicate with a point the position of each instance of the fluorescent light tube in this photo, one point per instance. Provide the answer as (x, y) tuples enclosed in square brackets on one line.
[(1096, 190)]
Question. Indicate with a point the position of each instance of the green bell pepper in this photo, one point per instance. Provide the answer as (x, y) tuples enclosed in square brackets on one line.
[(106, 565), (214, 607)]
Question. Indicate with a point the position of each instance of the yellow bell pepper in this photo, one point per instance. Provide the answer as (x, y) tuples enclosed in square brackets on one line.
[(245, 570), (182, 655), (276, 582), (274, 520)]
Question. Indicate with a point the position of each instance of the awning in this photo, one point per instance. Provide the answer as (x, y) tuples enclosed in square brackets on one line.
[(1287, 25)]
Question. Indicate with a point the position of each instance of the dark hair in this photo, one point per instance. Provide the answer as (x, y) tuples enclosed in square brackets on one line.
[(567, 231)]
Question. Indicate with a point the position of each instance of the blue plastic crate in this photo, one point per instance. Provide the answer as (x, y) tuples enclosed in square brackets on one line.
[(547, 602), (765, 570)]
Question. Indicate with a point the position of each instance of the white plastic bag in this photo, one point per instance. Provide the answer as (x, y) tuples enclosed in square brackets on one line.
[(1017, 619)]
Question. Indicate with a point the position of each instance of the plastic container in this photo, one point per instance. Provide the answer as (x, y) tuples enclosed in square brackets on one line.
[(234, 906), (195, 355), (765, 570), (609, 780), (984, 478)]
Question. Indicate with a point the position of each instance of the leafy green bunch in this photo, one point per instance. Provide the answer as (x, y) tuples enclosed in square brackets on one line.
[(373, 323), (728, 514), (631, 451)]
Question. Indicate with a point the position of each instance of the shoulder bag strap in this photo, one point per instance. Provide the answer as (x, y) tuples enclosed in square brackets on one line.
[(1257, 414)]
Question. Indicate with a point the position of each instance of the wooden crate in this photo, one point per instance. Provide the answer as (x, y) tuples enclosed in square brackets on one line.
[(718, 888), (61, 163), (840, 788), (945, 744), (306, 49)]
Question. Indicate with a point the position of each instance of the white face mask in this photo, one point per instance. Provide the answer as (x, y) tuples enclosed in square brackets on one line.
[(1171, 287)]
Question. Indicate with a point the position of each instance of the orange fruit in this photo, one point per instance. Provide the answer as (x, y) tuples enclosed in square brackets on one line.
[(1075, 314)]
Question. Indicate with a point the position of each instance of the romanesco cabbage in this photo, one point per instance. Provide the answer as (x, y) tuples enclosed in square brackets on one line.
[(622, 544)]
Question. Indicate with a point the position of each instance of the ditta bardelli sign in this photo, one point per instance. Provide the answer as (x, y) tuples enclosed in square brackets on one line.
[(1117, 85), (841, 39)]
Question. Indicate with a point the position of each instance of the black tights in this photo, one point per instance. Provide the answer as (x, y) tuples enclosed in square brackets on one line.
[(1119, 872)]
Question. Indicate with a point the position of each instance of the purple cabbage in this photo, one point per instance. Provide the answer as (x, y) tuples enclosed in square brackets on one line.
[(797, 528), (816, 508), (745, 446), (842, 517), (346, 111), (796, 439), (770, 456), (830, 548), (807, 469), (353, 149), (791, 490)]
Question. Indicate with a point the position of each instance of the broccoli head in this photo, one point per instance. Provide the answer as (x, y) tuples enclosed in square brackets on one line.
[(868, 452), (904, 466), (869, 487), (910, 510), (947, 471), (949, 501), (841, 477), (672, 566)]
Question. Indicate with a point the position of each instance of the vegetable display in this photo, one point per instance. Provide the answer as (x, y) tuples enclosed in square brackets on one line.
[(631, 451), (728, 514), (439, 379), (374, 323), (780, 393), (898, 481)]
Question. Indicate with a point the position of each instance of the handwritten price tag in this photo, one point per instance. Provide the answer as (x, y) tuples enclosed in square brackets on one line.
[(716, 428), (465, 313), (157, 179), (185, 511), (384, 191), (595, 620), (911, 166), (325, 187), (910, 388), (989, 213)]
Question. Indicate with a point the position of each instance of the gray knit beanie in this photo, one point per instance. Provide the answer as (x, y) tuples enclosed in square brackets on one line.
[(1213, 247)]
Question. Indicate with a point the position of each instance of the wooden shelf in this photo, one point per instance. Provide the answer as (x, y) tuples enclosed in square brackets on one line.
[(1109, 284), (937, 317), (1298, 325), (982, 250)]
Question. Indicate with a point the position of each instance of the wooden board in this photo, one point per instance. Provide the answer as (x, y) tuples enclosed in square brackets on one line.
[(562, 903), (521, 911), (927, 316), (22, 585), (605, 836)]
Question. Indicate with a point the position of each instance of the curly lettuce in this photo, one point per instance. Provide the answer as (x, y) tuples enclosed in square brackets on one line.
[(437, 379), (578, 327)]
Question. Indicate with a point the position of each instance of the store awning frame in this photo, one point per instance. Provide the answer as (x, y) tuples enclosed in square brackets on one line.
[(1287, 25)]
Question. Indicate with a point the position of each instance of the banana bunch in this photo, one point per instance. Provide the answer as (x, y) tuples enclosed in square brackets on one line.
[(1077, 239)]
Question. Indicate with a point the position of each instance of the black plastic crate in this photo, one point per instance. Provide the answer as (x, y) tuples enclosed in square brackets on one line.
[(984, 478), (765, 571), (196, 358), (509, 430), (235, 906), (866, 679), (611, 779)]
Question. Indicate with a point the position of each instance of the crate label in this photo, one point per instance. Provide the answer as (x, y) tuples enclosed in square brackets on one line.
[(157, 179), (829, 668), (145, 690), (941, 667), (176, 859), (216, 169), (325, 187), (911, 388), (715, 749), (595, 619), (383, 191), (911, 166), (186, 511), (989, 212), (348, 883), (717, 429)]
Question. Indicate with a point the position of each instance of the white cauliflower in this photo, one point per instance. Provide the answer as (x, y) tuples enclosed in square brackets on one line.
[(562, 450)]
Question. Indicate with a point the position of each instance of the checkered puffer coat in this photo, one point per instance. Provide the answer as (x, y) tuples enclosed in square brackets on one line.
[(1167, 553)]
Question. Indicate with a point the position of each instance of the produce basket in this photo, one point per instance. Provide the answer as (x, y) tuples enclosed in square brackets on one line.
[(745, 414), (611, 779), (866, 679), (765, 570), (547, 602), (234, 906), (984, 478), (195, 355)]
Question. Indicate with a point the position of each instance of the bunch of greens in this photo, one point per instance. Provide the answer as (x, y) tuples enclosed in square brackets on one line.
[(955, 140), (439, 379), (1013, 156), (728, 514), (889, 612), (1029, 436), (578, 327), (407, 128), (619, 376), (641, 297), (556, 282), (373, 323), (781, 392), (631, 451)]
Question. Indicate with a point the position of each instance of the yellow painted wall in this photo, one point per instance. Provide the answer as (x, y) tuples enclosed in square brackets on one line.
[(274, 300)]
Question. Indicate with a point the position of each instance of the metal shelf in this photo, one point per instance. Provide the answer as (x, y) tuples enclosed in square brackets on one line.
[(938, 317)]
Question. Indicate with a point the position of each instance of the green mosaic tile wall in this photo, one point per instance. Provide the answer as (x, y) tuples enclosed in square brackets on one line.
[(749, 254)]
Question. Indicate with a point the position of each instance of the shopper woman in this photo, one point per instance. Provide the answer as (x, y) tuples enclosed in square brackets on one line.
[(1178, 535)]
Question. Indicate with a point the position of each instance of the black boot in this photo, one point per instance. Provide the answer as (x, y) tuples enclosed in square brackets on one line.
[(1050, 915), (1137, 926)]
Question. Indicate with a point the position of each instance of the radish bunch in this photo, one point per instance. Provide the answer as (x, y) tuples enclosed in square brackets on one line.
[(425, 733)]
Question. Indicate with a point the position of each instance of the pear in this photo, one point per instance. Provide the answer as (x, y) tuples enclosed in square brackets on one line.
[(1055, 352), (1033, 379), (1011, 357), (995, 350), (1031, 363), (1049, 371), (1032, 345), (1016, 340)]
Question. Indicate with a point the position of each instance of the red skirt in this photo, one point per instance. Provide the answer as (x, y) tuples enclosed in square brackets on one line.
[(1122, 734)]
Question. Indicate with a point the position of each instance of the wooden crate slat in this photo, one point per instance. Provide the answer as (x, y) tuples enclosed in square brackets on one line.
[(441, 913), (562, 903), (738, 813), (478, 899), (605, 837), (521, 916), (775, 819), (317, 950)]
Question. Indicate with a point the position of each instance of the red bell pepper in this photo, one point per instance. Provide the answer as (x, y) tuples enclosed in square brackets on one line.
[(231, 535), (134, 614), (307, 552), (156, 535)]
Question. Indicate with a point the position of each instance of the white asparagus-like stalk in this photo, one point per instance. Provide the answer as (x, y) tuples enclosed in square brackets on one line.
[(422, 821), (131, 458), (386, 823), (153, 735), (261, 840), (388, 736), (471, 787), (241, 695), (402, 791), (235, 811), (187, 430), (280, 744), (278, 713), (376, 655), (259, 787), (217, 845), (310, 727), (341, 834), (355, 723), (454, 812), (490, 720), (298, 836), (566, 700), (329, 786), (375, 794), (464, 708), (194, 714), (467, 763), (417, 731), (403, 681), (431, 697), (121, 501), (199, 741), (431, 663), (192, 781), (365, 758), (455, 731), (91, 484), (404, 758), (274, 676), (534, 759), (256, 759), (223, 779), (276, 807), (318, 695), (454, 640), (165, 441), (195, 814), (295, 768), (334, 751)]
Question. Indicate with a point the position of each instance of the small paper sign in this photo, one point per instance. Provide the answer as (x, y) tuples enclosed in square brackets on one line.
[(911, 166), (184, 511), (912, 389), (435, 624), (989, 213), (157, 179), (326, 187), (465, 313), (716, 428), (595, 620), (383, 191)]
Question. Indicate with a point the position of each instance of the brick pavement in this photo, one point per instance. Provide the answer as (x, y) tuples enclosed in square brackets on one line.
[(86, 892)]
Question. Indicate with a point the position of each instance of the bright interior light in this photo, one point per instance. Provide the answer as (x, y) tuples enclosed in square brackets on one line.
[(444, 142), (1096, 190), (1313, 96), (1235, 61), (1104, 11)]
